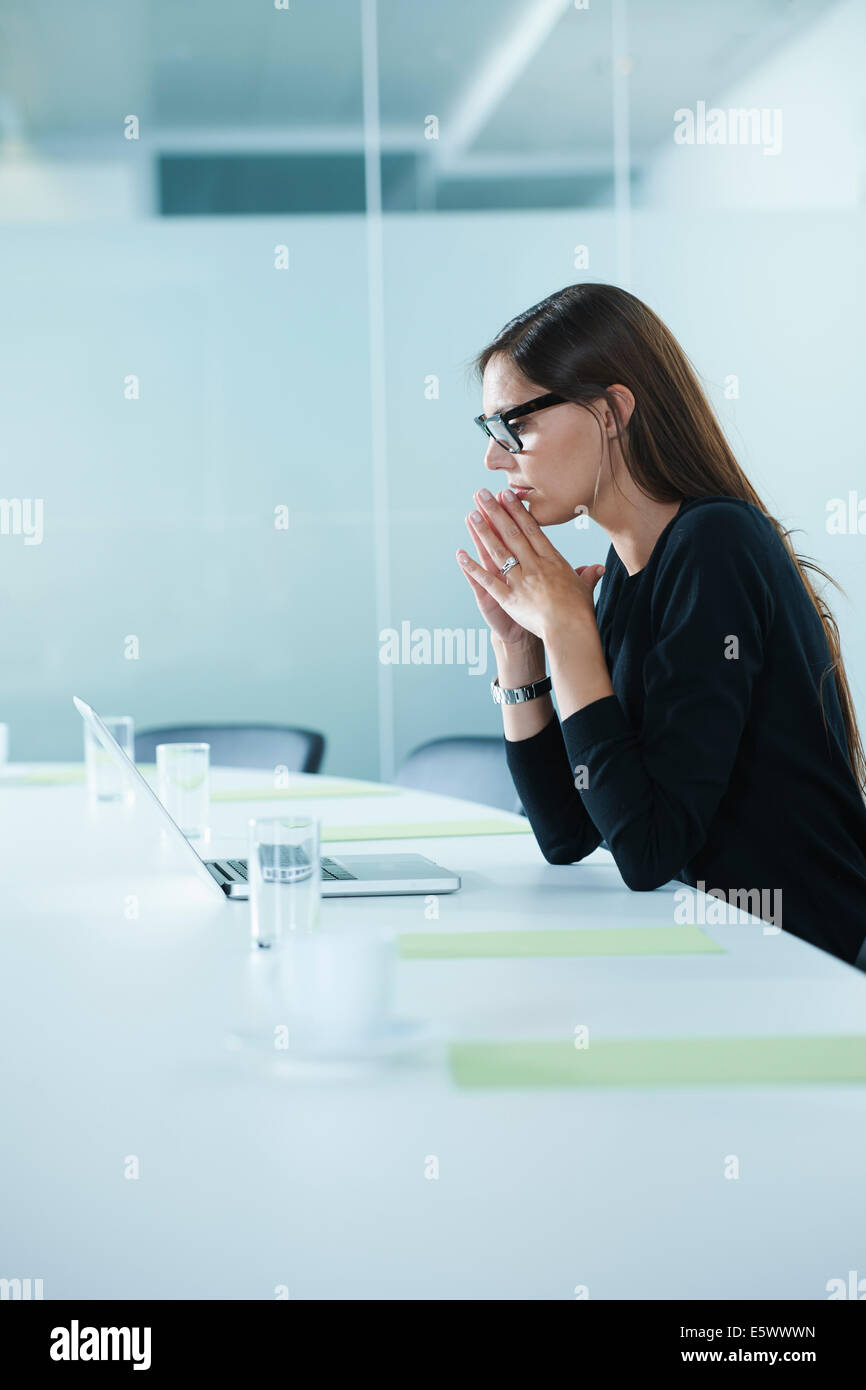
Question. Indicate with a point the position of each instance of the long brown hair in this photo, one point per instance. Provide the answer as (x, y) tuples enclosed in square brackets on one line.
[(585, 337)]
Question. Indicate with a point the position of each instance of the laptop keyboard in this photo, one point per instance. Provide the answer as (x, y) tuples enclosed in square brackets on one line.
[(330, 868)]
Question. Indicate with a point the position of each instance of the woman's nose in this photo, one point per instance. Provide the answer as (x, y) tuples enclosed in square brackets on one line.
[(495, 456)]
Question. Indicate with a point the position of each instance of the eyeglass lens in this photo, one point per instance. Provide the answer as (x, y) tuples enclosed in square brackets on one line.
[(501, 434)]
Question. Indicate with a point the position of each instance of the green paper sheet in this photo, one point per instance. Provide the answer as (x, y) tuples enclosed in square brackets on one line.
[(64, 776), (304, 789), (424, 830), (60, 777), (42, 779), (832, 1059), (593, 941)]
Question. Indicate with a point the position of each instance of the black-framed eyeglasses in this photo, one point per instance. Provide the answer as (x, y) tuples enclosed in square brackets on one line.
[(497, 426)]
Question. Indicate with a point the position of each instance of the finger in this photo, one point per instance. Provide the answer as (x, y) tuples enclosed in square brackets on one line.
[(481, 595), (528, 527), (481, 507), (501, 538), (483, 554), (589, 575), (492, 549), (496, 588), (479, 591)]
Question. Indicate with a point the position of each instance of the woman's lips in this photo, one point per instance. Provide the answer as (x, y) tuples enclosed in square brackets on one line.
[(521, 492)]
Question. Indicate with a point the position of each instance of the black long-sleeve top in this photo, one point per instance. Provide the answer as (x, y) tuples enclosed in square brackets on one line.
[(710, 764)]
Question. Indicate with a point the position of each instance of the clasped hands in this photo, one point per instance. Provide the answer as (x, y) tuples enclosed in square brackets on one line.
[(543, 594)]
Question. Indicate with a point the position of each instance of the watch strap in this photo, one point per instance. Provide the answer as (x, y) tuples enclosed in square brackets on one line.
[(519, 694)]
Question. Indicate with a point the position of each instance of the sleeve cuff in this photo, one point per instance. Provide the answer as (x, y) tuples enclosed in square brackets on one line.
[(528, 751)]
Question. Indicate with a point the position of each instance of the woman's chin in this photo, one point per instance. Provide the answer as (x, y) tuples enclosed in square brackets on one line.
[(548, 513)]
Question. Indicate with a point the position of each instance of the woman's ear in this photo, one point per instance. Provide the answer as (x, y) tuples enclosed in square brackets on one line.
[(624, 407)]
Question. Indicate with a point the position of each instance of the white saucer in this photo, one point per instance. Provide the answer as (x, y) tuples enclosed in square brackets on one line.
[(398, 1037)]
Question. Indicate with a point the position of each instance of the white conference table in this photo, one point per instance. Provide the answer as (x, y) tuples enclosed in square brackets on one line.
[(253, 1179)]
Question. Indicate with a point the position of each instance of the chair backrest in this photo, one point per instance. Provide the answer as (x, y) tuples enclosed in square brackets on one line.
[(470, 767), (242, 745)]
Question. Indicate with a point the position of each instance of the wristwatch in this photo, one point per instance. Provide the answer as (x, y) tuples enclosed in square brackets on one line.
[(520, 693)]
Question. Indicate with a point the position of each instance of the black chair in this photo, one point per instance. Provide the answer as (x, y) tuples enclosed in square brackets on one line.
[(242, 745), (464, 766)]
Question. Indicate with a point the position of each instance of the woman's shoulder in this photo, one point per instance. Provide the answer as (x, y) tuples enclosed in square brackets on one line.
[(702, 532), (733, 545), (707, 530), (727, 519)]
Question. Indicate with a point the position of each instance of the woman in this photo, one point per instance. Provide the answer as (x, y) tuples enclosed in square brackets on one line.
[(700, 737)]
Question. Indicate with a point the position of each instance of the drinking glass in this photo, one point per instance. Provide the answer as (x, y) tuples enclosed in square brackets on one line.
[(285, 877), (105, 780), (184, 785)]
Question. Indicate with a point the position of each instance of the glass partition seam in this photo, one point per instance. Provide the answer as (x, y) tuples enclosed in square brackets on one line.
[(375, 297), (621, 66)]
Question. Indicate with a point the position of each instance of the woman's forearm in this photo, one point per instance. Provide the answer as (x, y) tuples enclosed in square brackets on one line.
[(577, 666), (541, 771), (519, 664), (578, 671)]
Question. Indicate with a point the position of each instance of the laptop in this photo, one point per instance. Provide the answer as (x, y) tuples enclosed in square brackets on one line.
[(346, 876)]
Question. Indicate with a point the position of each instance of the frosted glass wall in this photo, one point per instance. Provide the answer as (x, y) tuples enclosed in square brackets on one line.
[(253, 455), (163, 517)]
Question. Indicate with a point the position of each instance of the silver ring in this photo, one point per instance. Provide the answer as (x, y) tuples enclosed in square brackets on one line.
[(509, 565)]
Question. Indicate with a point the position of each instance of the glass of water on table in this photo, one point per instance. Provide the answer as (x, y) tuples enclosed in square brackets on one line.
[(105, 780), (285, 877), (183, 770)]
